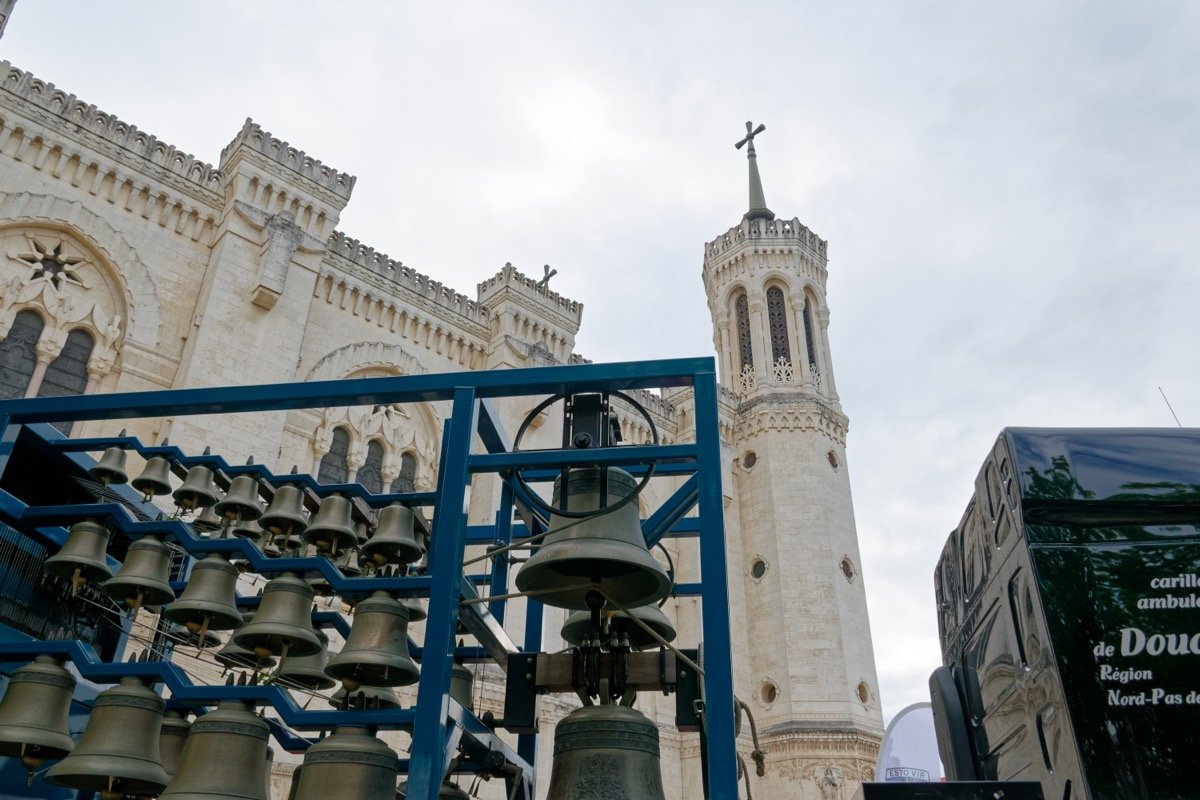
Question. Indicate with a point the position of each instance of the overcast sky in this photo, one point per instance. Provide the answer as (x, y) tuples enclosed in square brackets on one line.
[(1010, 194)]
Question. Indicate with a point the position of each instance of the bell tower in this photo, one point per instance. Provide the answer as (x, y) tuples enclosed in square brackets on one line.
[(809, 671)]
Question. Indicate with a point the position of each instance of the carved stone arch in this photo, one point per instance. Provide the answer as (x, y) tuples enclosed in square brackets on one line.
[(361, 356), (128, 274)]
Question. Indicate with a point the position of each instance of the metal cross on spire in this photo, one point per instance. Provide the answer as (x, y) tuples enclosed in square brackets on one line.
[(758, 202)]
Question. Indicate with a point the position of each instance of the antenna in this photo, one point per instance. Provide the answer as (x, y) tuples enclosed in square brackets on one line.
[(1168, 402)]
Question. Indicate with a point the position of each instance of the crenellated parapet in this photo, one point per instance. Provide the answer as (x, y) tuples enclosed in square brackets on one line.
[(253, 137), (766, 231), (534, 294), (522, 310)]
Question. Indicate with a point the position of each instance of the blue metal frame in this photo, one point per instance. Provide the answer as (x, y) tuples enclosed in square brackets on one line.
[(439, 725)]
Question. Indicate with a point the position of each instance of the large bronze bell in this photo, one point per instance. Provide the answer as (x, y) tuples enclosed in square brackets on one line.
[(210, 600), (225, 757), (118, 752), (111, 466), (578, 627), (144, 578), (171, 739), (376, 652), (332, 529), (605, 551), (613, 744), (350, 763), (283, 623), (198, 489), (395, 540), (306, 672), (155, 478), (241, 501), (35, 713), (285, 516), (82, 557), (365, 697)]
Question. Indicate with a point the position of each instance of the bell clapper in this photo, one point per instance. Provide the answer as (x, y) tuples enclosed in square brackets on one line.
[(77, 580), (30, 762)]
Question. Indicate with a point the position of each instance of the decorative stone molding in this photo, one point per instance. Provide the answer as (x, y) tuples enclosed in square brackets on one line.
[(791, 411), (253, 137), (778, 230), (362, 356)]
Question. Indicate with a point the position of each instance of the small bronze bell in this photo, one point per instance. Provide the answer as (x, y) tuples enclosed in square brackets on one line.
[(35, 713), (376, 652), (206, 522), (155, 478), (225, 757), (365, 697), (578, 627), (118, 752), (461, 685), (283, 623), (285, 516), (447, 791), (395, 540), (613, 744), (198, 489), (350, 763), (210, 600), (332, 529), (416, 611), (171, 739), (241, 501), (605, 551), (82, 557), (110, 468), (306, 672), (144, 578)]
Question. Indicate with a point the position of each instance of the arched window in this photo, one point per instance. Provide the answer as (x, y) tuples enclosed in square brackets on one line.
[(777, 318), (67, 373), (741, 308), (370, 473), (333, 467), (406, 480), (18, 354), (808, 333)]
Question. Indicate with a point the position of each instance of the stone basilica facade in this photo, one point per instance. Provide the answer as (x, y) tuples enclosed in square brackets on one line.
[(127, 265)]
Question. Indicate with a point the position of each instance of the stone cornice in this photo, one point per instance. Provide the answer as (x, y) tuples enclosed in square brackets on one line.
[(254, 138), (764, 231), (790, 411)]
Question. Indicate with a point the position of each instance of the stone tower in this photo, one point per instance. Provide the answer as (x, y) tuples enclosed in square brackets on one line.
[(809, 666)]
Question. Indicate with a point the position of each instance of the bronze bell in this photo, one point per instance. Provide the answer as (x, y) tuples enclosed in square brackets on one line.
[(350, 763), (605, 552), (224, 758), (35, 713), (461, 685), (376, 652), (155, 478), (111, 466), (365, 697), (210, 600), (198, 489), (614, 744), (416, 611), (82, 557), (578, 627), (306, 672), (395, 540), (285, 515), (332, 529), (447, 791), (118, 752), (144, 578), (283, 623), (206, 522), (241, 501), (200, 639), (234, 656), (171, 739)]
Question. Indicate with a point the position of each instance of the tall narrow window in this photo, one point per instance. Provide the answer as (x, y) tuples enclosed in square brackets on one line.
[(406, 480), (67, 373), (777, 318), (370, 473), (808, 333), (18, 354), (741, 308), (333, 467)]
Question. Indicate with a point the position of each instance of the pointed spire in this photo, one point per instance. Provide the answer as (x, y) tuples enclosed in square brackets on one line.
[(758, 202)]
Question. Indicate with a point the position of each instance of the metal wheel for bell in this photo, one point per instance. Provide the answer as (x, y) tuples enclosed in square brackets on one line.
[(610, 743), (365, 697), (110, 469), (283, 623), (35, 713), (285, 515), (82, 558), (602, 551), (171, 738), (349, 763), (395, 540), (224, 757), (118, 753), (144, 578), (241, 502), (306, 672), (332, 529), (578, 627), (155, 478), (376, 652), (198, 489), (210, 600)]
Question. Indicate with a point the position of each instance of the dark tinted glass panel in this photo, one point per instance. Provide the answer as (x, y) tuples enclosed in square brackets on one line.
[(17, 354), (333, 464)]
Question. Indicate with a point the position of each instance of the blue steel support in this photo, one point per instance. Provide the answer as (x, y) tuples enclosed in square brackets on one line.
[(718, 663), (527, 742), (503, 538), (429, 737)]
